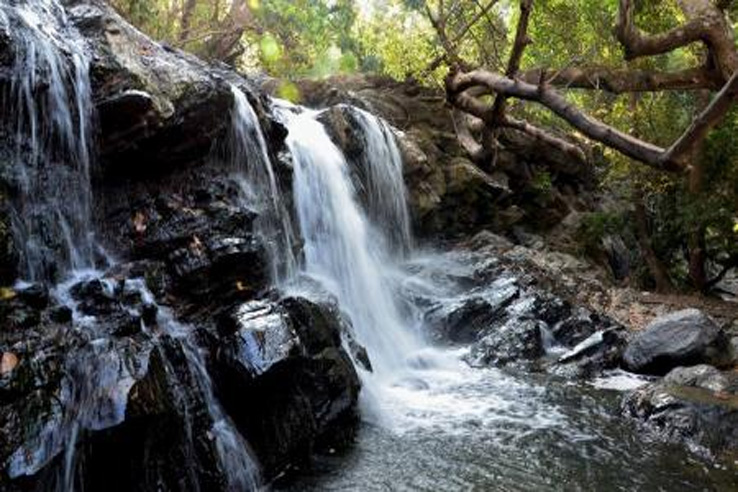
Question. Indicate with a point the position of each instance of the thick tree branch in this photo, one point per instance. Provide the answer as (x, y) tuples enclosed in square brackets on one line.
[(619, 81), (592, 128), (706, 23), (704, 122), (637, 44), (572, 150)]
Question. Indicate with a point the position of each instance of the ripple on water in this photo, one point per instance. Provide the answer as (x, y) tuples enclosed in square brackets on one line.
[(449, 427)]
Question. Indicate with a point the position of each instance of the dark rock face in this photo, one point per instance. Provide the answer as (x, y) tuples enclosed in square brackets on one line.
[(466, 320), (515, 342), (286, 380), (61, 374), (601, 350), (196, 225), (696, 404), (681, 338), (138, 353)]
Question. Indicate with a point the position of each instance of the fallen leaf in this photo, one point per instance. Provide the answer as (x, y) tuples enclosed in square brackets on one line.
[(139, 223), (196, 245), (6, 293), (8, 363)]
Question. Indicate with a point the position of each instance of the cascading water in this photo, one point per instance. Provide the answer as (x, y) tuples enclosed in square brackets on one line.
[(443, 425), (383, 182), (345, 251), (234, 455), (248, 157), (50, 102)]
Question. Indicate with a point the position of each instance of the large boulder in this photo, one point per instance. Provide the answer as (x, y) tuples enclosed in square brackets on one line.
[(696, 404), (286, 379), (157, 107), (681, 338)]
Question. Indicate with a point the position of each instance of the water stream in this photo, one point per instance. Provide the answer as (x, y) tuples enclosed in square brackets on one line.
[(431, 422)]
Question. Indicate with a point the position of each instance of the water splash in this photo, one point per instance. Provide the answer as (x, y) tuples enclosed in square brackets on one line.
[(49, 100)]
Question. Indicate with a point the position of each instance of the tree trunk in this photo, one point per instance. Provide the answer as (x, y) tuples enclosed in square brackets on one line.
[(655, 266), (185, 25), (696, 238)]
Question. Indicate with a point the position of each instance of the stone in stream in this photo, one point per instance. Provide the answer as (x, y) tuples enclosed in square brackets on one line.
[(465, 321), (286, 380), (681, 338), (600, 351), (697, 404), (515, 342)]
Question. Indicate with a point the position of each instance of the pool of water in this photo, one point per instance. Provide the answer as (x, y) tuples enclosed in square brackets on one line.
[(447, 427)]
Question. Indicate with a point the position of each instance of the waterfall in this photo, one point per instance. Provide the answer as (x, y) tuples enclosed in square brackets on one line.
[(50, 103), (382, 179), (344, 250), (237, 461), (248, 157)]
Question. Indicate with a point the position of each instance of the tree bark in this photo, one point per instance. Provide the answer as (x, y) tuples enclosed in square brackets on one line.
[(185, 26), (655, 266)]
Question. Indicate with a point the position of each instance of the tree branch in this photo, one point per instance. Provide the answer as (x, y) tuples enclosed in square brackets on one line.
[(637, 44), (704, 122), (546, 137), (619, 81), (592, 128), (516, 54)]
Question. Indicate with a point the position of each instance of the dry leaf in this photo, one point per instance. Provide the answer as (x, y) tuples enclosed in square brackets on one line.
[(8, 363), (6, 293), (139, 223)]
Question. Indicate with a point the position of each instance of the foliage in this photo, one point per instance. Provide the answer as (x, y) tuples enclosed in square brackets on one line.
[(596, 226)]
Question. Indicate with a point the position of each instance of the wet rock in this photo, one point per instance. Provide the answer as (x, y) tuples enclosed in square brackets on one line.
[(468, 319), (166, 440), (601, 351), (580, 325), (696, 404), (157, 108), (287, 356), (95, 297), (515, 342), (34, 295), (182, 242), (682, 338)]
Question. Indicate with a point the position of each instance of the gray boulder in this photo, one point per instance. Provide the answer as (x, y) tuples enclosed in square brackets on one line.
[(682, 338), (696, 404)]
